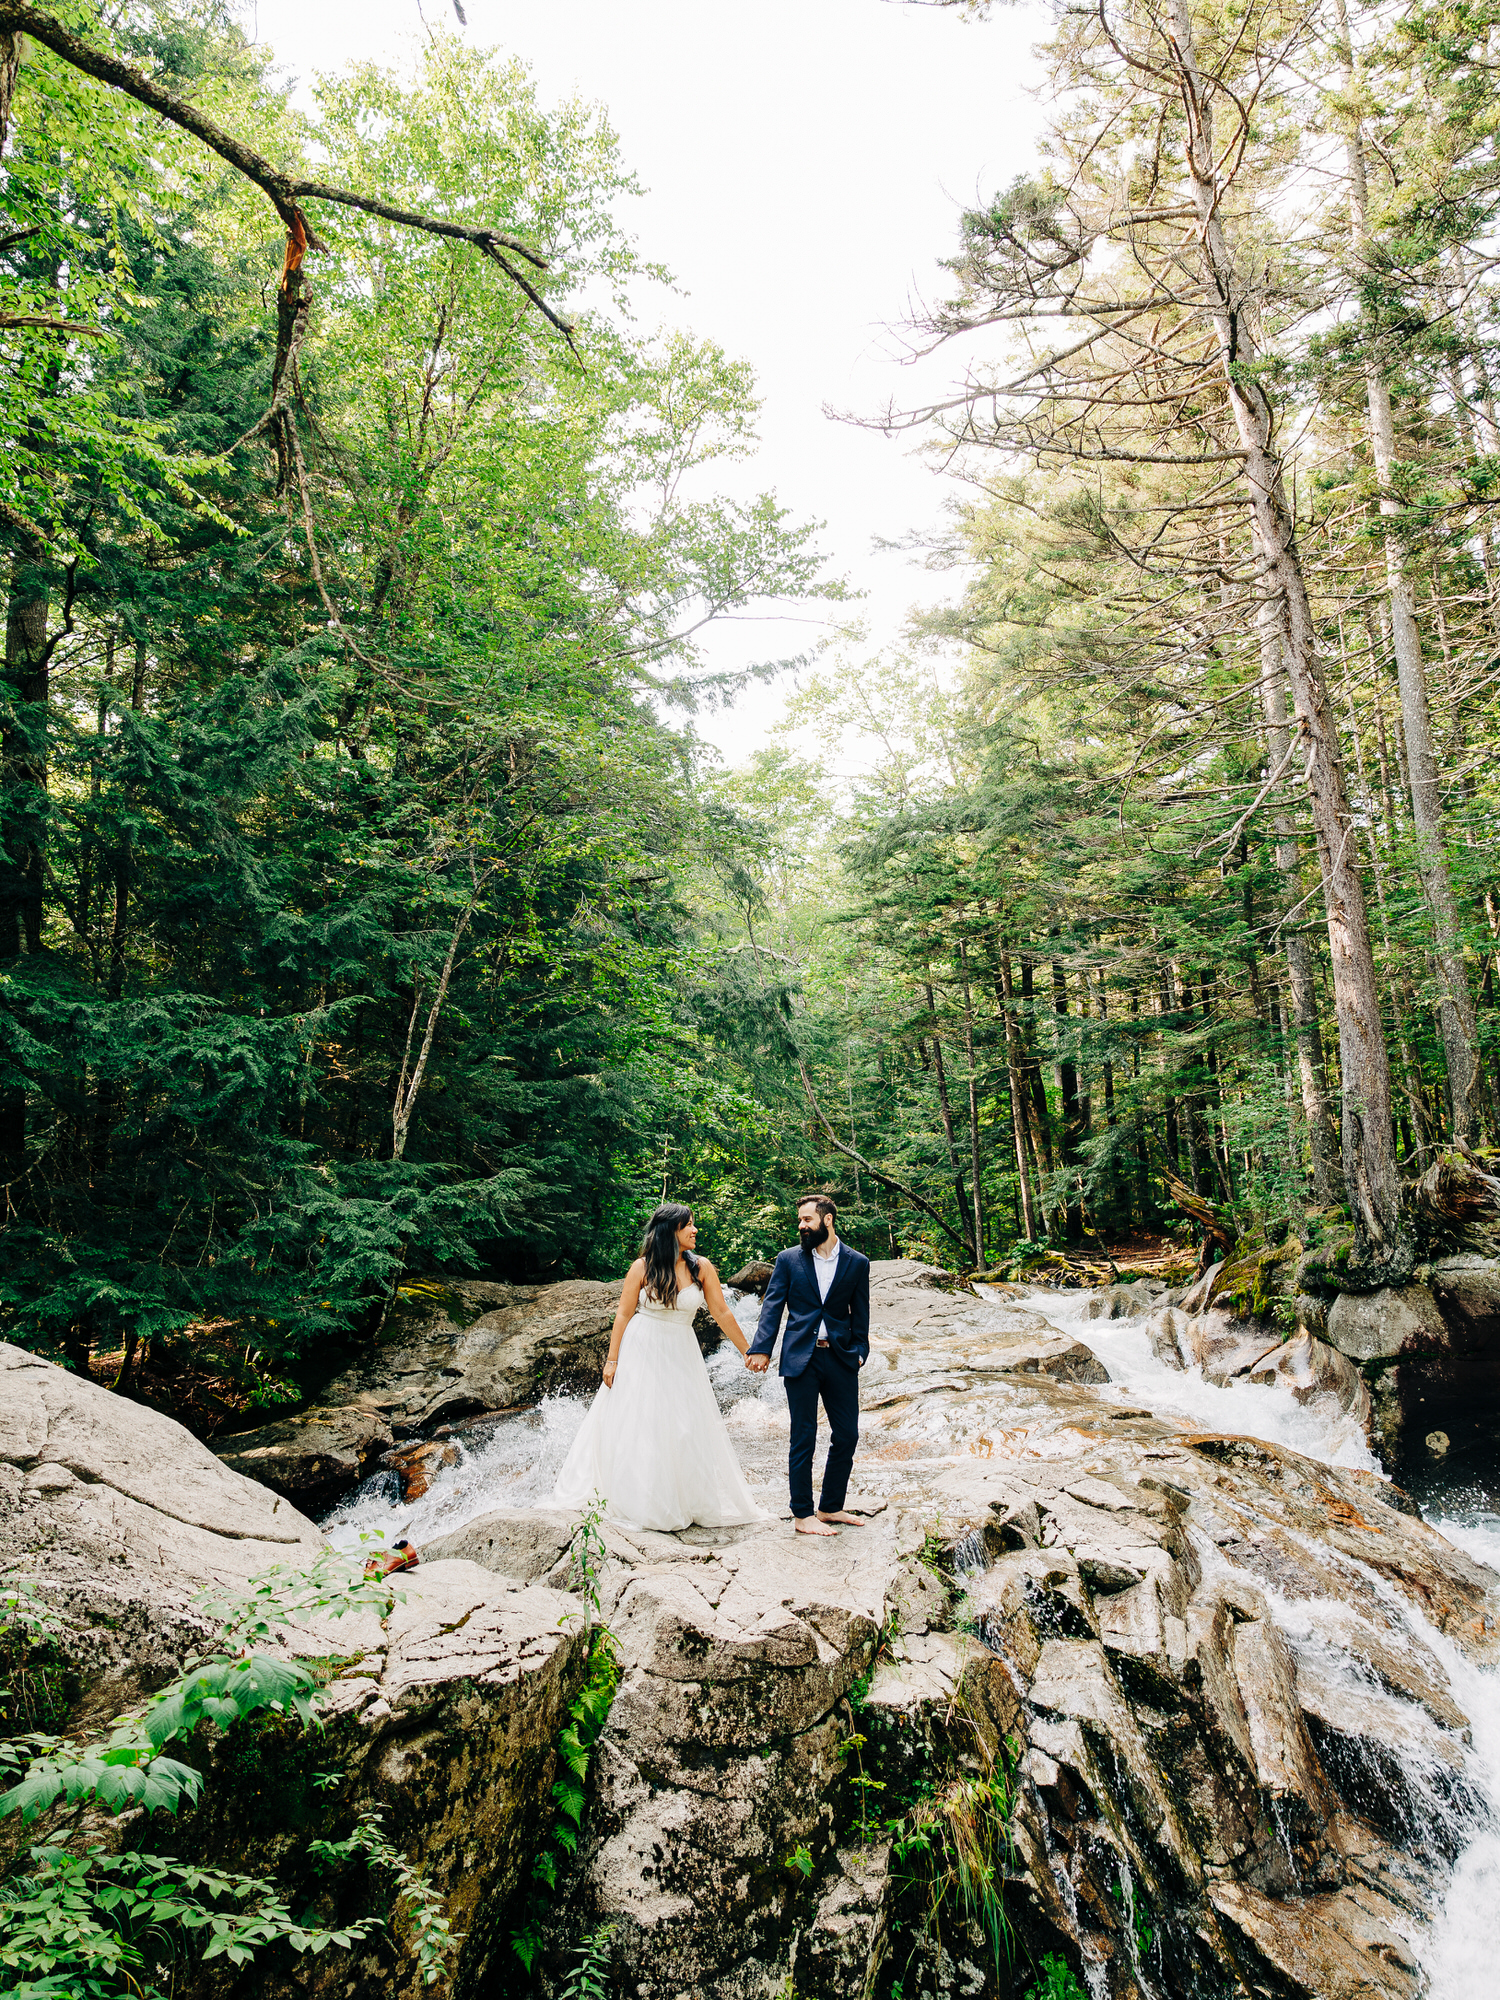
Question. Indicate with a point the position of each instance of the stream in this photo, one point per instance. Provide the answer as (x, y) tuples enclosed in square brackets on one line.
[(514, 1462)]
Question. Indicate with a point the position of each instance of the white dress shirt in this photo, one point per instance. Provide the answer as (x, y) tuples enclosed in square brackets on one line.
[(825, 1264)]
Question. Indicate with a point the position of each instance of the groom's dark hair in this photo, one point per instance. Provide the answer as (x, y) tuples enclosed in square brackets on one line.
[(826, 1205)]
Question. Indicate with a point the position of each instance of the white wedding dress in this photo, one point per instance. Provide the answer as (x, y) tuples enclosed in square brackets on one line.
[(654, 1445)]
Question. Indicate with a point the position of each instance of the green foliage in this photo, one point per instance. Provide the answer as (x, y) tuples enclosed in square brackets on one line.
[(589, 1978), (36, 1681), (96, 1925), (587, 1714), (1143, 1930), (421, 1907), (227, 1685), (354, 880), (587, 1556), (948, 1829), (800, 1861), (1056, 1981)]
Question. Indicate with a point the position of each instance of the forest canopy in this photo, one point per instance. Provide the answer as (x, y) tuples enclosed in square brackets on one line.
[(344, 921), (369, 911)]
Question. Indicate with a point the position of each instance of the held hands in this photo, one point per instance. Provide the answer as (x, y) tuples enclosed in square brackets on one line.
[(757, 1363)]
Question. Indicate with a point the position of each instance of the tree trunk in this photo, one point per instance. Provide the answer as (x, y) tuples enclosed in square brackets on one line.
[(23, 760), (1407, 1068), (974, 1169), (1299, 972), (11, 48), (23, 798), (946, 1114), (1383, 1234), (1017, 1100), (1067, 1090), (119, 930), (1455, 1006), (1037, 1119)]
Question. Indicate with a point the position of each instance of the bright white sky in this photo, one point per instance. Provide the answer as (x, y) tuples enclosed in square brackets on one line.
[(804, 163)]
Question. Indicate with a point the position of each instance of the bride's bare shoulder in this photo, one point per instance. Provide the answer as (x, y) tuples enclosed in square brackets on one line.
[(637, 1269), (705, 1269)]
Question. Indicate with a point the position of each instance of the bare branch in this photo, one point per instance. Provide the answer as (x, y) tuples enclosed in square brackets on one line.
[(284, 191)]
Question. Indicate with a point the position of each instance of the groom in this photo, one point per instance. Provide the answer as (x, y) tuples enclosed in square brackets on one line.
[(824, 1289)]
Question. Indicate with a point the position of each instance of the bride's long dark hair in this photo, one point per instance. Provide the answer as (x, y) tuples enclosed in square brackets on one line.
[(660, 1252)]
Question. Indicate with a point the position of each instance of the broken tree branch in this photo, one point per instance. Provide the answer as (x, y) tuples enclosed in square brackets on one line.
[(284, 191)]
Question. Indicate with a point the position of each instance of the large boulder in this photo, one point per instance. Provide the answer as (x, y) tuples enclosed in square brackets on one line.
[(1124, 1300), (313, 1458), (1225, 1674), (444, 1714), (1309, 1368), (122, 1517), (446, 1721), (1465, 1381), (1420, 1377), (453, 1353), (1382, 1327)]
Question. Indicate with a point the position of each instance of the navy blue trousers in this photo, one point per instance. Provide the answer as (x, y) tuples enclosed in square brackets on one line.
[(837, 1385)]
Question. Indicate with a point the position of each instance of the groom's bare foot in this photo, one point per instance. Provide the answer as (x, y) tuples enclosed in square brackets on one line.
[(849, 1520), (811, 1525)]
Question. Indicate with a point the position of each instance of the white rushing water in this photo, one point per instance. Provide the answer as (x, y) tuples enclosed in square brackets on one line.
[(514, 1462), (1318, 1429), (1460, 1955)]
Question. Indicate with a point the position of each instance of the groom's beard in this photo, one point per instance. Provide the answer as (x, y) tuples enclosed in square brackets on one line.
[(811, 1238)]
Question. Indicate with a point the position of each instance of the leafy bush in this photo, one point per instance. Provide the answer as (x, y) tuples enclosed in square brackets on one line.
[(589, 1979), (93, 1926), (1056, 1982)]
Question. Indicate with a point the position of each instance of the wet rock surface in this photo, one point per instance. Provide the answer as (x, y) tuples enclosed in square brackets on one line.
[(1221, 1668), (445, 1717), (1429, 1351), (461, 1353), (314, 1458), (1197, 1701)]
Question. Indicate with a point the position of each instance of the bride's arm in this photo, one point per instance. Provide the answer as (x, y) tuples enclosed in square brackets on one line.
[(630, 1292), (718, 1305)]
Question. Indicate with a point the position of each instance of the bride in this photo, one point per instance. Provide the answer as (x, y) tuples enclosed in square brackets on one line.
[(653, 1443)]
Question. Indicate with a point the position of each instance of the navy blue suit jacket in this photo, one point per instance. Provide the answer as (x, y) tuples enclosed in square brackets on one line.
[(793, 1290)]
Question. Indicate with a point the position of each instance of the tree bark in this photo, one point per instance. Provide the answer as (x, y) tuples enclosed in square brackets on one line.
[(1383, 1233), (946, 1114), (1029, 1210), (1321, 1145), (23, 800), (1456, 1021), (12, 47), (122, 871), (977, 1186), (1067, 1090), (24, 759)]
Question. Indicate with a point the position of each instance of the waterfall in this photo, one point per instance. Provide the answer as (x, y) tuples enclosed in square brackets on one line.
[(1459, 1821), (1454, 1797)]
